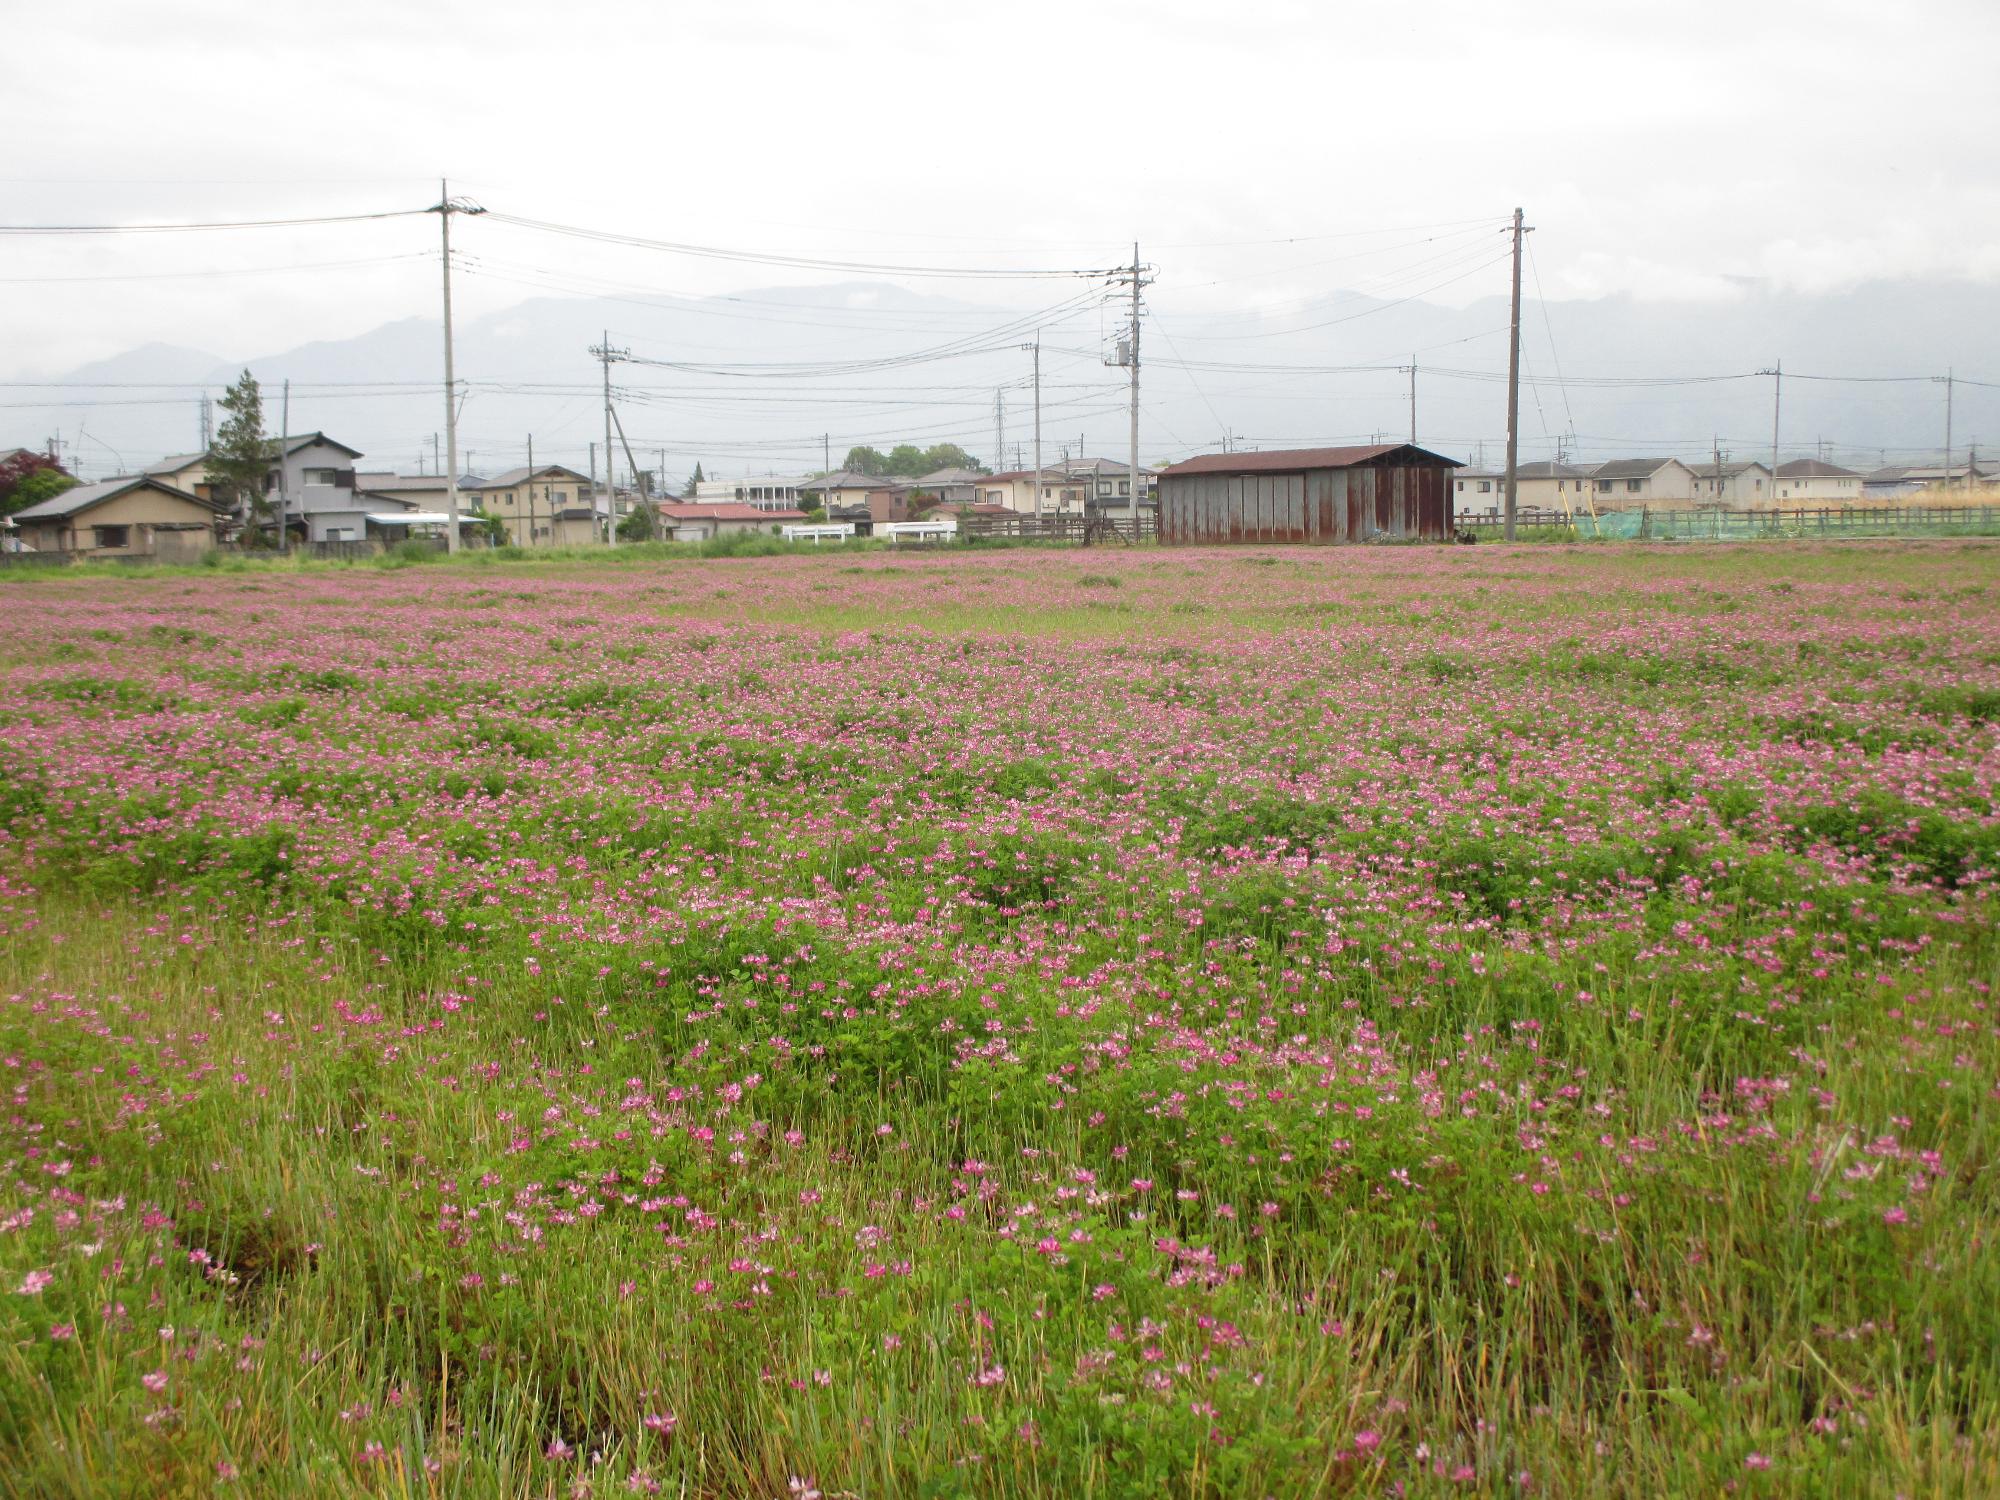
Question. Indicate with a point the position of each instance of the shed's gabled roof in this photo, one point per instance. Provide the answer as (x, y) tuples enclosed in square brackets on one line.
[(83, 497), (1814, 468), (1298, 460)]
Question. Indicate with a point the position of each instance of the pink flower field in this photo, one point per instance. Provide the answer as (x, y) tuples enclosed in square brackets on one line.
[(1254, 1022)]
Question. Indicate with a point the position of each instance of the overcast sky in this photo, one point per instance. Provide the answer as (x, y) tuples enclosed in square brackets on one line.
[(1674, 150)]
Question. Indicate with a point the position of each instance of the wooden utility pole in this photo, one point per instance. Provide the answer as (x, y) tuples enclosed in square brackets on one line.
[(1514, 384)]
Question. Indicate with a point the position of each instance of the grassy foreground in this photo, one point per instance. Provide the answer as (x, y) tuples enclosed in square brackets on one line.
[(1167, 1023)]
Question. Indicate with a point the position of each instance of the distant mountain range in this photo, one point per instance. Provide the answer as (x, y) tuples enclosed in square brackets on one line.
[(830, 377)]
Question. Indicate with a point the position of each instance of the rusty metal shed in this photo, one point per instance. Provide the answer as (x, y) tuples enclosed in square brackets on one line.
[(1385, 492)]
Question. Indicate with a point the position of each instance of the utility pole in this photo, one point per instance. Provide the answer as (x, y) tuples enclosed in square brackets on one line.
[(593, 473), (1413, 401), (1514, 383), (1133, 455), (1777, 406), (826, 451), (660, 476), (444, 210), (1946, 477), (531, 490), (606, 354), (284, 488), (1000, 428), (1038, 424), (1718, 471), (632, 464)]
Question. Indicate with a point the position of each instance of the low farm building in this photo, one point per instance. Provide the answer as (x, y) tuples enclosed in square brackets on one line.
[(1382, 493)]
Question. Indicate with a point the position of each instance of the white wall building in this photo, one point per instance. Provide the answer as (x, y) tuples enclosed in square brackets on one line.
[(768, 493)]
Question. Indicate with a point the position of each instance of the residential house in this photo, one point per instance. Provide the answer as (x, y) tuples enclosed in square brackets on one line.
[(428, 491), (1740, 485), (547, 506), (850, 496), (1061, 493), (311, 478), (1108, 482), (697, 521), (135, 516), (1813, 481), (184, 471), (1900, 480), (1481, 492), (1638, 483), (950, 484), (768, 493), (1542, 485)]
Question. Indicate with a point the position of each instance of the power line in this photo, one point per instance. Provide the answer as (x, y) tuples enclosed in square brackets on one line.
[(796, 262), (394, 213)]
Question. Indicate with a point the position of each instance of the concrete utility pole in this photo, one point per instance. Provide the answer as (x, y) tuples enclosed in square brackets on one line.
[(1133, 456), (1038, 424), (284, 486), (444, 210), (1413, 401), (1945, 478), (1718, 471), (531, 489), (1000, 429), (1036, 349), (606, 353), (1514, 383), (1777, 406)]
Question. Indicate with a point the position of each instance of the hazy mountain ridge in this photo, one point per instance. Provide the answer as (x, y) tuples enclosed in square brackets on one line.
[(730, 425)]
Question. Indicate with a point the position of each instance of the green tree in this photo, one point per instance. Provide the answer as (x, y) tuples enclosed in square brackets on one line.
[(637, 524), (28, 479), (240, 461), (867, 461), (906, 460), (949, 456), (694, 481)]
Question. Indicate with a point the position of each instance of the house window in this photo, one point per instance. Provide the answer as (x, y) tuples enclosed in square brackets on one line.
[(1124, 486), (1632, 486), (1485, 486), (1603, 486), (113, 536), (1461, 486), (321, 476)]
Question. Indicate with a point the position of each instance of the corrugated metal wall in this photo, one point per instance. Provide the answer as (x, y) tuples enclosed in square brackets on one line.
[(1369, 502)]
